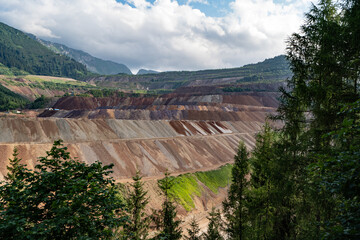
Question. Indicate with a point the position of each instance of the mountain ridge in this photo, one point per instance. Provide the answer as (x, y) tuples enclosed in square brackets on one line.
[(93, 64), (23, 54)]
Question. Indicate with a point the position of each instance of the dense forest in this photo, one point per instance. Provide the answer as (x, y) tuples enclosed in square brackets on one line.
[(10, 100), (299, 182), (18, 51)]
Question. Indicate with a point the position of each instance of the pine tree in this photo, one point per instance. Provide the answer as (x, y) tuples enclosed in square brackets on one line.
[(166, 220), (193, 231), (235, 209), (263, 178), (138, 225), (15, 209), (215, 226), (324, 58)]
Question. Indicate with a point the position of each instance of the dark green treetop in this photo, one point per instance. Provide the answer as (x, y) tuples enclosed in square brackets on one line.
[(62, 198)]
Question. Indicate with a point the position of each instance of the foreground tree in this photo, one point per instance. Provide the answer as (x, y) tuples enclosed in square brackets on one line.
[(193, 231), (165, 219), (234, 207), (337, 174), (137, 226), (215, 226), (61, 199), (267, 189), (324, 58)]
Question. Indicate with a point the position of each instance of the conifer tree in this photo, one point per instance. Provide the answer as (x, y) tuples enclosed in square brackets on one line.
[(215, 226), (193, 231), (263, 178), (62, 198), (166, 220), (137, 226), (234, 207)]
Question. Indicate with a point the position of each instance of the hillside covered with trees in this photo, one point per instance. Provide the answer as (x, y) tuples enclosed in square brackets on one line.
[(10, 100), (93, 64), (21, 53)]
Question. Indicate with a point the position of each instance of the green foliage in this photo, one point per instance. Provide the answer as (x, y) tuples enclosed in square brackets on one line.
[(137, 226), (193, 231), (40, 102), (58, 84), (216, 178), (99, 93), (215, 226), (10, 100), (264, 195), (19, 51), (61, 199), (304, 179), (165, 220), (235, 206), (11, 71), (184, 188), (337, 173)]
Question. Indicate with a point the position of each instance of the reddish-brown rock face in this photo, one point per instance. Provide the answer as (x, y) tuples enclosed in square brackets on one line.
[(179, 132)]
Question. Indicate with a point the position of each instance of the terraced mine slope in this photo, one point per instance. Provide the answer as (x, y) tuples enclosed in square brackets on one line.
[(193, 132), (178, 132)]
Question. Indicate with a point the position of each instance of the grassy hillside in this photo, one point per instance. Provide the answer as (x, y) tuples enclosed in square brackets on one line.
[(189, 185), (19, 52), (33, 86)]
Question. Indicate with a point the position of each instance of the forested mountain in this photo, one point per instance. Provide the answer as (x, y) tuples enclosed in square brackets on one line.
[(19, 51), (93, 64), (10, 100)]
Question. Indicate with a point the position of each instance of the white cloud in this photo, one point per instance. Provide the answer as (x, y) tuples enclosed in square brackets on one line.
[(198, 1), (163, 35)]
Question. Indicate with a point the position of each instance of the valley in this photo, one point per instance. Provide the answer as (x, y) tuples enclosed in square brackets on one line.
[(189, 131), (188, 123)]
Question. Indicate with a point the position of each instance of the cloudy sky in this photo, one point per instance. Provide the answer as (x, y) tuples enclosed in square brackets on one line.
[(163, 34)]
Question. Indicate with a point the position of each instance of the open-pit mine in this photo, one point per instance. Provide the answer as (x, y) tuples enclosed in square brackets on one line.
[(187, 131)]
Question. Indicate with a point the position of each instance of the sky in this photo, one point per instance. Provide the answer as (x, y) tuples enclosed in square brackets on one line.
[(163, 35)]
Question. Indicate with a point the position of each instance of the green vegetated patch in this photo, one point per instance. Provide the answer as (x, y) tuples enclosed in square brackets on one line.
[(186, 187), (46, 83), (10, 100), (11, 71), (216, 178)]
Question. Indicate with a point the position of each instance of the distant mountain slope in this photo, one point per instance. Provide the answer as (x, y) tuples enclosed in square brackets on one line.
[(93, 64), (145, 71), (271, 70), (19, 51), (10, 100)]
